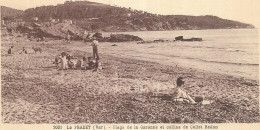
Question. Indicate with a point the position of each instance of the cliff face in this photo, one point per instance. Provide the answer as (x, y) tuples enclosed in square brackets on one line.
[(100, 17)]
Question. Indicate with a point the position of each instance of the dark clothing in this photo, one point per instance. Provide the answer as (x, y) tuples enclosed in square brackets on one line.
[(95, 52), (9, 51)]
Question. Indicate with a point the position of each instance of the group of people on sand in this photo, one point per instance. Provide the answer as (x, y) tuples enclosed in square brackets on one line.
[(66, 61), (24, 51)]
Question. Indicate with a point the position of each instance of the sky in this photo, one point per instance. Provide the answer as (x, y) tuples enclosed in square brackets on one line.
[(240, 10)]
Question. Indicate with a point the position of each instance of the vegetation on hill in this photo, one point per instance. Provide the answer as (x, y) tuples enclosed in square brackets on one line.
[(101, 17), (10, 13)]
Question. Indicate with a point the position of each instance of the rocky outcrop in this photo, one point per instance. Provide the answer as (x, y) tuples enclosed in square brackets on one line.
[(62, 30), (123, 38), (98, 35), (180, 38), (59, 30)]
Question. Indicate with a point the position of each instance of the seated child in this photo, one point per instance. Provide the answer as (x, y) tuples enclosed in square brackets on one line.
[(24, 51), (64, 62), (91, 63), (180, 95)]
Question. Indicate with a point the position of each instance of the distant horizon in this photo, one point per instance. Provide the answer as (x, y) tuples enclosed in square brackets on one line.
[(188, 8)]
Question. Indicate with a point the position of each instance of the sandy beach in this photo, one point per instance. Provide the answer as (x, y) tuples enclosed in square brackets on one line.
[(126, 90)]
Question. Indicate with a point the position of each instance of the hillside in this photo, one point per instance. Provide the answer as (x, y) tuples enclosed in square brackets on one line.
[(10, 13), (101, 17)]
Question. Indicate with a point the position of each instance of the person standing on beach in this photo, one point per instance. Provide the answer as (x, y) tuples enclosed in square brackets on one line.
[(68, 36), (10, 50), (180, 95), (95, 45)]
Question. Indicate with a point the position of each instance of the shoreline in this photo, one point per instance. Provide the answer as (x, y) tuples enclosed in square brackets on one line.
[(106, 49), (118, 32)]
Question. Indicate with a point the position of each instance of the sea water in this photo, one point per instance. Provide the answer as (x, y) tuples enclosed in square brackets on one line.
[(229, 51)]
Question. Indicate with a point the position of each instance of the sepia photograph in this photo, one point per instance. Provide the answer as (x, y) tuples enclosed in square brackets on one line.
[(129, 62)]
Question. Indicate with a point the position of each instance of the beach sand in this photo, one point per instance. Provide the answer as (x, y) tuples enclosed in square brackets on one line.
[(127, 90)]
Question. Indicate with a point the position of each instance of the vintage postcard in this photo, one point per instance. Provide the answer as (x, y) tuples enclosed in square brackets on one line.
[(129, 64)]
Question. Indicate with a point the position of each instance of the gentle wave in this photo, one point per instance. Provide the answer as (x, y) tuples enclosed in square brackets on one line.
[(219, 62), (198, 59), (219, 49)]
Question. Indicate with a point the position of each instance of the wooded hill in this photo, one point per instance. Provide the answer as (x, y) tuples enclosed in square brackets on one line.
[(10, 13), (95, 16)]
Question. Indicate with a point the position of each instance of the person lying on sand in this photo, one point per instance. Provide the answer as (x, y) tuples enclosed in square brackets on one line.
[(81, 63), (39, 49), (180, 95), (76, 62)]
